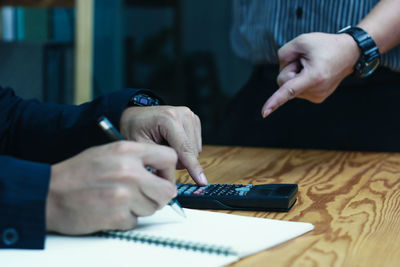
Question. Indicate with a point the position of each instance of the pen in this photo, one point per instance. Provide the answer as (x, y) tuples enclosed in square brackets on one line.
[(114, 135)]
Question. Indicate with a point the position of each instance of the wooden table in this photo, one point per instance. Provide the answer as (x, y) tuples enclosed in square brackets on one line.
[(352, 198)]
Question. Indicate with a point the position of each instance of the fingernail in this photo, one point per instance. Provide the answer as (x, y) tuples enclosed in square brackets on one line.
[(203, 178), (266, 112)]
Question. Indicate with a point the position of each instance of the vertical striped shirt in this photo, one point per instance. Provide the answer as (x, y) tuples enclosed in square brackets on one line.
[(261, 27)]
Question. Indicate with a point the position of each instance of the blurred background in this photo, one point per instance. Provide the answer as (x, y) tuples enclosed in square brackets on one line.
[(70, 51)]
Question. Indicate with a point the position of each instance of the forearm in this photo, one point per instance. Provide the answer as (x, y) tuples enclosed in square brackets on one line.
[(50, 133), (383, 24)]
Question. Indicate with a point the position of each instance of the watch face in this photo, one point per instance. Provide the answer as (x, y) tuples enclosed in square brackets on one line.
[(369, 67), (142, 100)]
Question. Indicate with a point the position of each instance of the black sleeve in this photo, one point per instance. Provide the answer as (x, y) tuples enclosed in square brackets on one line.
[(33, 136), (23, 193), (50, 133)]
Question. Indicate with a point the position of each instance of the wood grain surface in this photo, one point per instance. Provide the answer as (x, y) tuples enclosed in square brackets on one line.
[(352, 198)]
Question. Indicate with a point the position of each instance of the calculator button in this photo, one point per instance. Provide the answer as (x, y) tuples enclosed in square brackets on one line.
[(242, 189), (210, 189), (183, 188), (198, 191), (194, 187)]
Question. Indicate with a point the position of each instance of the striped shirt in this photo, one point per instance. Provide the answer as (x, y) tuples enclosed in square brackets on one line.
[(261, 27)]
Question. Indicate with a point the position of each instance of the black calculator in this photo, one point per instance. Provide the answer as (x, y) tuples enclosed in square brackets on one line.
[(263, 197)]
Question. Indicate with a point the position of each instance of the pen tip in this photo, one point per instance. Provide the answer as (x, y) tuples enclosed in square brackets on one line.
[(177, 207), (180, 211), (183, 214)]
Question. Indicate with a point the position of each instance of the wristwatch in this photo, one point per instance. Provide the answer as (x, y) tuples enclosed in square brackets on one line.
[(142, 99), (370, 56)]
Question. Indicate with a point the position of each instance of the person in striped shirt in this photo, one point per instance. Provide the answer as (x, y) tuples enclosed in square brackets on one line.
[(296, 45)]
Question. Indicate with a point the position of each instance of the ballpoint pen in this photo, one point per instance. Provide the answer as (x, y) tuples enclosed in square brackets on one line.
[(114, 135)]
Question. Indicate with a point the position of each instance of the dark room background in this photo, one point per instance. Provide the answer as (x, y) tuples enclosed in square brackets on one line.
[(179, 48)]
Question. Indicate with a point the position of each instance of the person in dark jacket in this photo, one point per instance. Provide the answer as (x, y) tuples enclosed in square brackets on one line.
[(60, 173)]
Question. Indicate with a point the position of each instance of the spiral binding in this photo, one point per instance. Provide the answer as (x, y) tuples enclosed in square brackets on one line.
[(168, 242)]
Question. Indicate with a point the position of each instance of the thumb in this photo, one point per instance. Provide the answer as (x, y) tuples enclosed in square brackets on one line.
[(286, 92)]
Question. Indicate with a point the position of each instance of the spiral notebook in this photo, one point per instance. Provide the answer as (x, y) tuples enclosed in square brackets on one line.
[(164, 239)]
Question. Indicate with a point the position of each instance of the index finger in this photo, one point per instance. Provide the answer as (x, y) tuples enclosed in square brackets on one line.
[(286, 92), (187, 154)]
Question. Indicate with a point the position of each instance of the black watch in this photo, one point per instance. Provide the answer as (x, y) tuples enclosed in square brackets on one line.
[(370, 56), (143, 99)]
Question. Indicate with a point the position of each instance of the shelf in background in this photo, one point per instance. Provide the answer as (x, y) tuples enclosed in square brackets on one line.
[(153, 3), (38, 3), (83, 40)]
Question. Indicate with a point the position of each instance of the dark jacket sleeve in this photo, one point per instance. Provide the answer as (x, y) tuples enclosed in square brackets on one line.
[(50, 133), (33, 136), (23, 193)]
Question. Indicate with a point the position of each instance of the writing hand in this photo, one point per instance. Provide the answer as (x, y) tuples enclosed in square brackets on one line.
[(177, 127), (311, 67), (108, 187)]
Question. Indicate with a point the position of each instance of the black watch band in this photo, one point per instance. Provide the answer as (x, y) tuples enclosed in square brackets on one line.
[(370, 56), (143, 99)]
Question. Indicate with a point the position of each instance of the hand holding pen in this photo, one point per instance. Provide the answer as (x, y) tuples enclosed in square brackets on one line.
[(114, 135), (106, 187)]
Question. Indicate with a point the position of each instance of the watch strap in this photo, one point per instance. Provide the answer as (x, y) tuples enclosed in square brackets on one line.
[(368, 47)]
